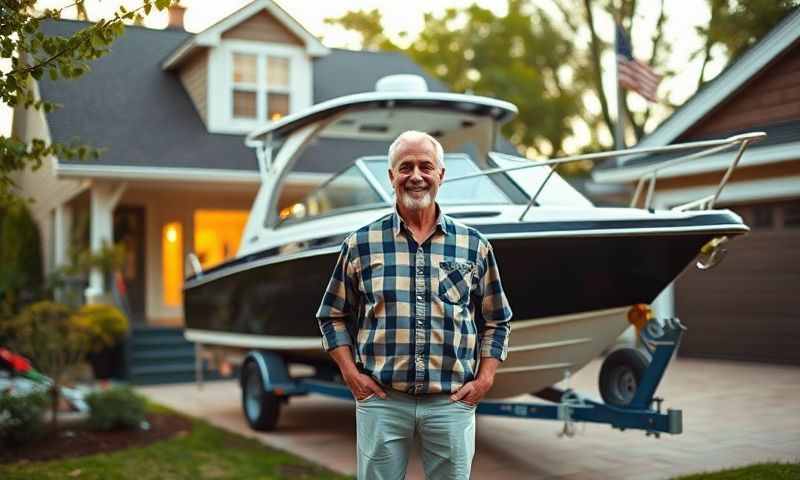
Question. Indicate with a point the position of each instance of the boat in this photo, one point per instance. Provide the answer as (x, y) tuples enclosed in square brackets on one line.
[(572, 271)]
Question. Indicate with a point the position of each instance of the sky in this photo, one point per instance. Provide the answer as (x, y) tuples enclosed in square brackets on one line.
[(407, 16)]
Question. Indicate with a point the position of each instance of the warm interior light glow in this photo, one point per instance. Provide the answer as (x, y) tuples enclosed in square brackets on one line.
[(172, 264), (276, 116), (217, 234), (172, 234)]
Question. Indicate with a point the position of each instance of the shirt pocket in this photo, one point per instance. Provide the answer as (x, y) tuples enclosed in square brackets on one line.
[(455, 281)]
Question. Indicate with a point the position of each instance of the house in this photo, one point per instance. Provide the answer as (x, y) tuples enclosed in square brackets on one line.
[(171, 110), (747, 308)]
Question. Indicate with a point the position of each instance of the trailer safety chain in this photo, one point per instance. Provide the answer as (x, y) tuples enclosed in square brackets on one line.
[(569, 402)]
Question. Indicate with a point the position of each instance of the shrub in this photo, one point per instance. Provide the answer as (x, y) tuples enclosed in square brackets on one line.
[(45, 333), (21, 418), (116, 408), (104, 324), (21, 277)]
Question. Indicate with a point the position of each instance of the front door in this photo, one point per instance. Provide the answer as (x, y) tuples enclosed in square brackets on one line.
[(129, 230)]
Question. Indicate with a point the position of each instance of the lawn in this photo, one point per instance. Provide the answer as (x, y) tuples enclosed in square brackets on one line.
[(205, 453), (762, 471)]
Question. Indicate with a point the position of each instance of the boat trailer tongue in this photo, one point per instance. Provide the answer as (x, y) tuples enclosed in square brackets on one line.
[(641, 412)]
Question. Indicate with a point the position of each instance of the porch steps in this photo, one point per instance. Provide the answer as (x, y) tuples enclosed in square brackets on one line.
[(162, 355)]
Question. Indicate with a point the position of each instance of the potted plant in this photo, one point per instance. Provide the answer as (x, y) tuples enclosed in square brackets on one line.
[(105, 326)]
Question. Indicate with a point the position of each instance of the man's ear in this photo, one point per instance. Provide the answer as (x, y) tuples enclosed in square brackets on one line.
[(391, 176), (441, 176)]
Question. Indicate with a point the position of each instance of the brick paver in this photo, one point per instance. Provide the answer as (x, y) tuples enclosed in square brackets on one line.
[(734, 414)]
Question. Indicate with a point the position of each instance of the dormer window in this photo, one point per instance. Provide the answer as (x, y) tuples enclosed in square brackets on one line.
[(260, 86)]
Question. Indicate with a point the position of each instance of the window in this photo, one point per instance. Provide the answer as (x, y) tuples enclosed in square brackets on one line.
[(791, 215), (172, 263), (217, 234), (260, 86)]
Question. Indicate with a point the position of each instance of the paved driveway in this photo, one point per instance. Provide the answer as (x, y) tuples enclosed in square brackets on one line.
[(734, 414)]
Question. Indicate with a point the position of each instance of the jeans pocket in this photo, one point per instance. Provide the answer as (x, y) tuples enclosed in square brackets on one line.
[(368, 398)]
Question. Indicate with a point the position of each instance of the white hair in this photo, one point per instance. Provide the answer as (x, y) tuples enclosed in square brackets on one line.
[(414, 133)]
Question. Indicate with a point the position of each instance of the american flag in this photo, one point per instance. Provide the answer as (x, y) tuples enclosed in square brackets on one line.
[(631, 73)]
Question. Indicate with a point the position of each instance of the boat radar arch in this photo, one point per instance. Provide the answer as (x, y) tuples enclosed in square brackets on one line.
[(392, 91)]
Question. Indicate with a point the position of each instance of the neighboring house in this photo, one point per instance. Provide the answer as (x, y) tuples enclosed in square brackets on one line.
[(748, 307), (171, 109)]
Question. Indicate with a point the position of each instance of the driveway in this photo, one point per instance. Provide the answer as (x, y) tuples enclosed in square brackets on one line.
[(733, 414)]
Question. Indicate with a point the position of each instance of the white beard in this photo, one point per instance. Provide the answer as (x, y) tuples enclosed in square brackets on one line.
[(412, 203)]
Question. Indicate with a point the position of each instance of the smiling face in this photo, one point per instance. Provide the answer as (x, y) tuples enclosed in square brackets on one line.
[(415, 173)]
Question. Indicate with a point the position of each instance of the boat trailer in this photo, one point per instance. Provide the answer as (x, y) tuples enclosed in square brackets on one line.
[(627, 384)]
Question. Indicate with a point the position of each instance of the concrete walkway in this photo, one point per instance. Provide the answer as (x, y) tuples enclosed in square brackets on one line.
[(734, 414)]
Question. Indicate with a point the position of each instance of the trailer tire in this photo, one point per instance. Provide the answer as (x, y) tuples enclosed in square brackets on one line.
[(261, 408), (621, 375)]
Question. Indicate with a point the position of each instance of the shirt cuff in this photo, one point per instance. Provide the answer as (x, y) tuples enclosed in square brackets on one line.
[(336, 339), (494, 350)]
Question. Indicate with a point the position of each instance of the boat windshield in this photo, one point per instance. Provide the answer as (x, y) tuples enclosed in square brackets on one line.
[(480, 190), (366, 185)]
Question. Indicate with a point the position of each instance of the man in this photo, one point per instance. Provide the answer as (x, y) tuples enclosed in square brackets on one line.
[(423, 294)]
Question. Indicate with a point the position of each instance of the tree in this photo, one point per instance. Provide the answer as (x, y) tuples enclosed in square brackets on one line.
[(548, 63), (32, 55), (737, 26), (538, 70)]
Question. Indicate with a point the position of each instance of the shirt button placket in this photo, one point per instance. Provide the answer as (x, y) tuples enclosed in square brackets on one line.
[(419, 314)]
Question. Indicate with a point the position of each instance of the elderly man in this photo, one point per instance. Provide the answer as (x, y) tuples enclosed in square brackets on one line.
[(422, 293)]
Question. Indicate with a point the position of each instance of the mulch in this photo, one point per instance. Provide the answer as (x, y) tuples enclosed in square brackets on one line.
[(73, 441)]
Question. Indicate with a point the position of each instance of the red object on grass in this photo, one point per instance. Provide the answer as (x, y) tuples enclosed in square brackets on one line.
[(18, 363)]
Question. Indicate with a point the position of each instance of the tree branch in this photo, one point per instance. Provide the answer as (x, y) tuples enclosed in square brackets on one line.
[(596, 75)]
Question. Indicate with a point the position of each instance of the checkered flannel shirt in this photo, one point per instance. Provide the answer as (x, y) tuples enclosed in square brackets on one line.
[(419, 314)]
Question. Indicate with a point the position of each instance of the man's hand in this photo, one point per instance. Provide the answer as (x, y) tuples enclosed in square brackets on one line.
[(363, 386), (474, 391)]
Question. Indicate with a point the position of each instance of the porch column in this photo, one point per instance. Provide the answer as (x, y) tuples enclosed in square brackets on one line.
[(62, 234), (103, 199)]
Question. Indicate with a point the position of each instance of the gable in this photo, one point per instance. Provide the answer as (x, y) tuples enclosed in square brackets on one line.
[(772, 96), (193, 75), (263, 27)]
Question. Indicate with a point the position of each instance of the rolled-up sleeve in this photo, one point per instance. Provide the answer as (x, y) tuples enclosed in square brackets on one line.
[(338, 303), (495, 312)]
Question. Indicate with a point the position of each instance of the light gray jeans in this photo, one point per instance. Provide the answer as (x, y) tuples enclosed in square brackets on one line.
[(387, 428)]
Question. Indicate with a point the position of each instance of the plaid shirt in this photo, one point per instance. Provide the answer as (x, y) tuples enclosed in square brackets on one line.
[(416, 312)]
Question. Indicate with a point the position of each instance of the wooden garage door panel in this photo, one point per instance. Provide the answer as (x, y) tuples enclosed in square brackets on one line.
[(748, 308)]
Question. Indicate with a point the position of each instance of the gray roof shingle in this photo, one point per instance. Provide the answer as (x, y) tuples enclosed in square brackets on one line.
[(142, 116)]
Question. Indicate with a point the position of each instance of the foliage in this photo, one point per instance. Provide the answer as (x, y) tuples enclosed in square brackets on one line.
[(104, 324), (536, 70), (20, 256), (204, 452), (32, 55), (45, 333), (21, 418), (737, 26), (116, 408), (537, 58)]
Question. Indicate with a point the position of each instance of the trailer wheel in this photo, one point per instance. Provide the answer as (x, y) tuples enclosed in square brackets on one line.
[(261, 408), (621, 374)]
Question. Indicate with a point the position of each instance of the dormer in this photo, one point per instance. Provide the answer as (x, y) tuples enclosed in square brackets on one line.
[(250, 68)]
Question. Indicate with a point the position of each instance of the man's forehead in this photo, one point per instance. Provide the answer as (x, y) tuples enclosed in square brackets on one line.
[(418, 145)]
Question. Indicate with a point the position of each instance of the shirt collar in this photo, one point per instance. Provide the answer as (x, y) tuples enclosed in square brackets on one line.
[(398, 223)]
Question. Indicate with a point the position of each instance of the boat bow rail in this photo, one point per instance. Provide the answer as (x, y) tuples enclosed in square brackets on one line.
[(648, 178)]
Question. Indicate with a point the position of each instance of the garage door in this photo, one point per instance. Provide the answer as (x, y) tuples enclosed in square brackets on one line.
[(748, 307)]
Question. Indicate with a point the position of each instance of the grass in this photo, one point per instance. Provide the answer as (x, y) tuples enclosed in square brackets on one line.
[(760, 471), (205, 453)]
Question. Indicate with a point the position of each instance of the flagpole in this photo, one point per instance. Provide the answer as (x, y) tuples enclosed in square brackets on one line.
[(619, 128)]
